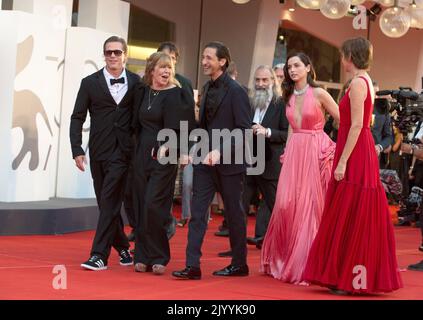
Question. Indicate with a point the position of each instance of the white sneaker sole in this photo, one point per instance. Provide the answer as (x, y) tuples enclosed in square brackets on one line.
[(85, 266), (126, 264)]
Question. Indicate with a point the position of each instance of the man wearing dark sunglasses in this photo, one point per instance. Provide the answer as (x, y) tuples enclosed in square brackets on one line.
[(108, 96)]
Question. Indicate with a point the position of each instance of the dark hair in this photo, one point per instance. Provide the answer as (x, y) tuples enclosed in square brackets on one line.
[(288, 84), (116, 39), (169, 46), (222, 52), (232, 69), (359, 50)]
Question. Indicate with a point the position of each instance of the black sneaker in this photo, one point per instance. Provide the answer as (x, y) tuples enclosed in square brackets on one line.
[(182, 222), (421, 247), (95, 263), (125, 258), (416, 267)]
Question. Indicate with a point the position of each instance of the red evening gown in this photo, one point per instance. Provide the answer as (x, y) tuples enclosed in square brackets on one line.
[(356, 230)]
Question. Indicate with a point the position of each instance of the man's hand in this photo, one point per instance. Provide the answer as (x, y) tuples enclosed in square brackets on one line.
[(80, 162), (259, 129), (184, 160), (161, 152), (378, 149), (212, 158), (406, 148), (387, 150)]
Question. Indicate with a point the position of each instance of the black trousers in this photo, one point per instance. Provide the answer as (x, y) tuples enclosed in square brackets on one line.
[(128, 197), (153, 196), (268, 189), (207, 180), (109, 185), (418, 173), (421, 223)]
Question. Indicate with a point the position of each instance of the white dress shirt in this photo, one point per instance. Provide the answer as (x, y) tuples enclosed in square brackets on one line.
[(259, 116), (419, 134), (118, 90)]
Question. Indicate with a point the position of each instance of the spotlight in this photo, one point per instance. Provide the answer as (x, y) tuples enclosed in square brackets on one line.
[(374, 11), (353, 11)]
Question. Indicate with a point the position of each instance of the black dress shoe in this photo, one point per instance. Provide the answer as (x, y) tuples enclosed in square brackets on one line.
[(254, 241), (223, 226), (131, 236), (222, 233), (233, 271), (416, 267), (225, 254), (189, 273), (339, 292), (403, 223)]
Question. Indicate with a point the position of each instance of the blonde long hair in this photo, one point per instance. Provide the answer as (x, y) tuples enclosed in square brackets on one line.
[(160, 59)]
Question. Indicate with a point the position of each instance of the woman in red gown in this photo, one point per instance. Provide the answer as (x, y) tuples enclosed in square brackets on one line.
[(354, 250)]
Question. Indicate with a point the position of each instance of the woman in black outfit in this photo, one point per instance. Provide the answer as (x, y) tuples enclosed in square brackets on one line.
[(159, 104)]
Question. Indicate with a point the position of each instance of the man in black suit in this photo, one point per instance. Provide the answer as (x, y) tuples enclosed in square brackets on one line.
[(171, 49), (224, 105), (269, 120), (108, 96), (382, 128)]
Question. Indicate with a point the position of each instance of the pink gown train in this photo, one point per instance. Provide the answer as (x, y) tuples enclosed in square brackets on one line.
[(303, 180)]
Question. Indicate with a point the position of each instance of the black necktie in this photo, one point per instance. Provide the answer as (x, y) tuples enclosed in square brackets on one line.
[(120, 80)]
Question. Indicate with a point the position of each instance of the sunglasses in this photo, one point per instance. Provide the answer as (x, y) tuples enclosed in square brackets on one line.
[(117, 53)]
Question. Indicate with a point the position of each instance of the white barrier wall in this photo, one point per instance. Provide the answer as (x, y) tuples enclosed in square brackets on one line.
[(58, 12), (84, 56), (30, 101), (105, 15), (36, 79)]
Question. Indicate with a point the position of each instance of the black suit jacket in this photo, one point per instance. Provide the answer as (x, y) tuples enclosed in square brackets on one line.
[(275, 119), (233, 111), (110, 122), (185, 82), (381, 129)]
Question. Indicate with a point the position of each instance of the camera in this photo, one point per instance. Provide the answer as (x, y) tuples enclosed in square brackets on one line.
[(408, 106)]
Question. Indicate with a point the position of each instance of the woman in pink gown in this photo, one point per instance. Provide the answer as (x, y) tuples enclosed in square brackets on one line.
[(354, 250), (305, 173)]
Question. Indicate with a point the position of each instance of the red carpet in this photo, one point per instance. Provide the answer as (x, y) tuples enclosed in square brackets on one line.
[(26, 272)]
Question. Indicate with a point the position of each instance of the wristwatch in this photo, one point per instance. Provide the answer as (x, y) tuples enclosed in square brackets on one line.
[(268, 133)]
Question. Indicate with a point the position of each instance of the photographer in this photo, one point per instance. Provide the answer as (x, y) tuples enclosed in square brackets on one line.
[(381, 128), (413, 149), (417, 151)]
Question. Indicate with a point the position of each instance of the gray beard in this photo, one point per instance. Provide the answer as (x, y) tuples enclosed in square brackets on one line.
[(261, 98)]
